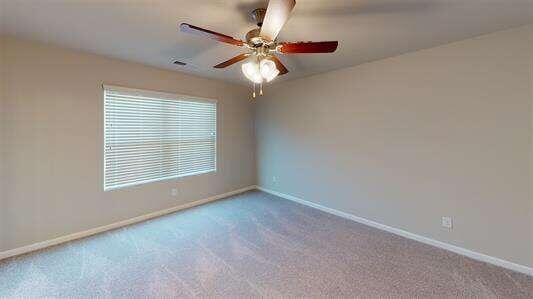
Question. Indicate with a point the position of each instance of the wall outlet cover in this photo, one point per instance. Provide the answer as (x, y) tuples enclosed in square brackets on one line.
[(447, 222), (174, 192)]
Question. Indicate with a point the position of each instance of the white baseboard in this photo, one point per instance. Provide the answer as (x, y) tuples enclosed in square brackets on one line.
[(459, 250), (83, 234)]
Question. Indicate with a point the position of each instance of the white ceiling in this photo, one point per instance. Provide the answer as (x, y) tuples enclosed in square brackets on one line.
[(145, 31)]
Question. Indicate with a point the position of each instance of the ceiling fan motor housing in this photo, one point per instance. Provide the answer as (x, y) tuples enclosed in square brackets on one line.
[(253, 38)]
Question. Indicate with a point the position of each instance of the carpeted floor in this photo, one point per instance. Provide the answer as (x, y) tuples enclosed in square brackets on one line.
[(253, 245)]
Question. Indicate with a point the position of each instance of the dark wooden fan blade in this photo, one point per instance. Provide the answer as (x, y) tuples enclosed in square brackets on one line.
[(308, 47), (184, 27), (232, 61), (279, 65), (278, 12)]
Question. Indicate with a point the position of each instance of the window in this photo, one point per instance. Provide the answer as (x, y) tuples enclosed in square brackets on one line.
[(153, 136)]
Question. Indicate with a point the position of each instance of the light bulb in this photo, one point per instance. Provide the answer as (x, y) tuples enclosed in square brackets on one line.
[(251, 71), (268, 69)]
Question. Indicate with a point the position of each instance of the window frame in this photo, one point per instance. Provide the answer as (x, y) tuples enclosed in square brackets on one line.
[(157, 95)]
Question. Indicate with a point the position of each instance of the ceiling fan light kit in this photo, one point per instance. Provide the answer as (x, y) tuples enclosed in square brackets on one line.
[(262, 65)]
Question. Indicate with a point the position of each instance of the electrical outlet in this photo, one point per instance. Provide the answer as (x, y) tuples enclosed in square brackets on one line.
[(275, 179), (447, 222), (174, 192)]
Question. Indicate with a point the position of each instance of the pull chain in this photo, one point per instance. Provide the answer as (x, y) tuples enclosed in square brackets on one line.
[(253, 93)]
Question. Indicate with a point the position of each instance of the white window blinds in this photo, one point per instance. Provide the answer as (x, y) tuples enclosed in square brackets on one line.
[(152, 136)]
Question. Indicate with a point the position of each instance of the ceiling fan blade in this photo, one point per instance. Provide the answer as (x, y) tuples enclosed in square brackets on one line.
[(232, 61), (308, 47), (184, 27), (279, 65), (278, 12)]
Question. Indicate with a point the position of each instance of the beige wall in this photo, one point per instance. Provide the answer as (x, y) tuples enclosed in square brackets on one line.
[(53, 140), (406, 140), (3, 215), (529, 64)]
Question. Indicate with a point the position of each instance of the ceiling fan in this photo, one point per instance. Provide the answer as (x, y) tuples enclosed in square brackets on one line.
[(263, 65)]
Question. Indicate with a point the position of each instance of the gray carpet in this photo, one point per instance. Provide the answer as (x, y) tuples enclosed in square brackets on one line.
[(253, 245)]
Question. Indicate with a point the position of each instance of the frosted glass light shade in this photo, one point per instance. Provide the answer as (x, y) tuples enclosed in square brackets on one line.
[(252, 72), (268, 69)]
